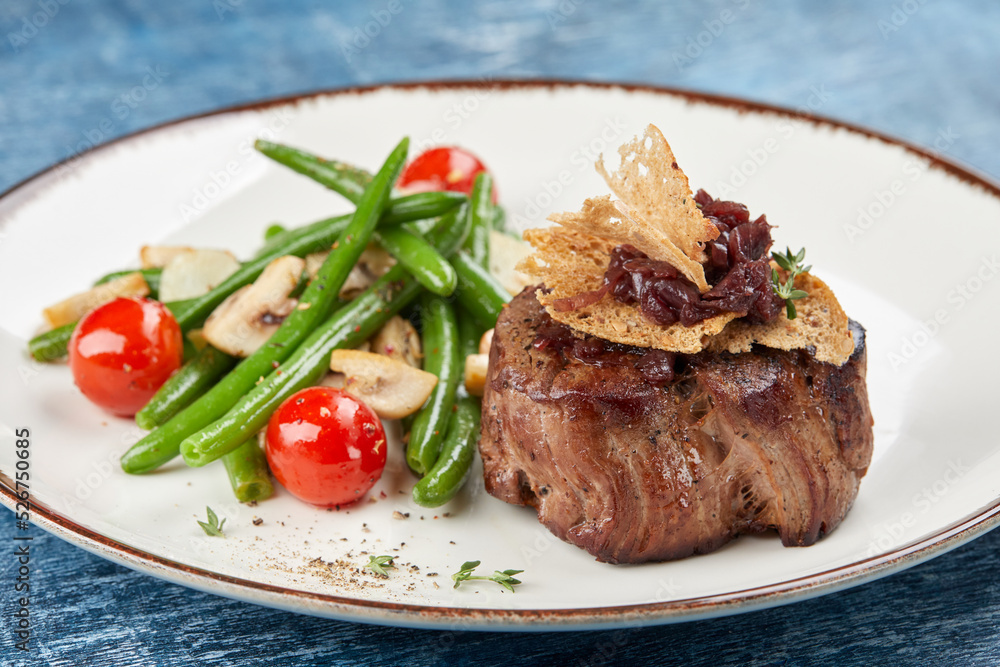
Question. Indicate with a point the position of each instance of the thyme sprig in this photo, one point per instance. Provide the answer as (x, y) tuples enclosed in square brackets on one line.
[(214, 526), (793, 265), (505, 578), (378, 565)]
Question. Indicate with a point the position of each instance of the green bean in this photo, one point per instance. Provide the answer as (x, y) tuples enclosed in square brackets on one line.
[(189, 351), (424, 227), (322, 291), (248, 472), (478, 291), (500, 221), (195, 310), (350, 181), (163, 444), (346, 179), (419, 258), (453, 465), (469, 333), (443, 359), (315, 238), (420, 206), (151, 276), (274, 230), (349, 327), (409, 208), (51, 345), (477, 244), (451, 469), (184, 386)]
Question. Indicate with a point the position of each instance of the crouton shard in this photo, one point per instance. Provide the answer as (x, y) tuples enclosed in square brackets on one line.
[(655, 210), (656, 213)]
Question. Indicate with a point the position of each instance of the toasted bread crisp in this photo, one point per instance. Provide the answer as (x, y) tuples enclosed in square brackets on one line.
[(820, 323), (658, 216), (657, 213), (571, 262)]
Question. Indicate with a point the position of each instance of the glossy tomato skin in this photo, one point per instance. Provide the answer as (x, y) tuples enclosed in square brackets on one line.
[(325, 446), (444, 168), (123, 351)]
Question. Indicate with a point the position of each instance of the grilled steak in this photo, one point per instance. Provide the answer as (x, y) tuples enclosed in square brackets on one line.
[(633, 468)]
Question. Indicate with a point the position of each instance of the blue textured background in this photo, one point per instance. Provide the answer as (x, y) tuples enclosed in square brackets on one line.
[(909, 68)]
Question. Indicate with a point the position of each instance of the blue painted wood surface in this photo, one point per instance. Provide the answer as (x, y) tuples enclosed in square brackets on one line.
[(906, 67)]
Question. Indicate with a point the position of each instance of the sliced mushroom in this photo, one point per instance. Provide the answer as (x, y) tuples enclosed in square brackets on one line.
[(194, 273), (314, 261), (244, 321), (338, 380), (505, 253), (72, 309), (371, 265), (335, 380), (397, 339), (158, 256), (475, 373), (486, 342), (393, 389)]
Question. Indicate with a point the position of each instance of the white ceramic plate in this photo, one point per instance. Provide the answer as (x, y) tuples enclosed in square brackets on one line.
[(906, 241)]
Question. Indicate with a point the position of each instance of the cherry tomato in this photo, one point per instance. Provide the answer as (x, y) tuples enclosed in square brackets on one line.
[(444, 168), (325, 446), (121, 353)]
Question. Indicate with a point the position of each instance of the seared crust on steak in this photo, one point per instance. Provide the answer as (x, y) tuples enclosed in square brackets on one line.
[(634, 472)]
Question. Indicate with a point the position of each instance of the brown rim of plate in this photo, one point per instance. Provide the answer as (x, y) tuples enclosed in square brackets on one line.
[(460, 618)]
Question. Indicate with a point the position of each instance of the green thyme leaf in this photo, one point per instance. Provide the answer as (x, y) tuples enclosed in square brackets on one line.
[(792, 264), (465, 572), (378, 565), (504, 578), (214, 526), (790, 309)]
